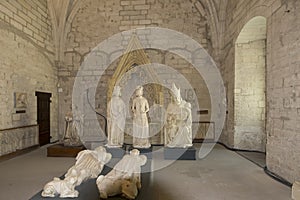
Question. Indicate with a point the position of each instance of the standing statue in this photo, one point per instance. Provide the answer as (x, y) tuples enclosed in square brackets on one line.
[(73, 129), (116, 117), (140, 107), (89, 164), (124, 178), (178, 122)]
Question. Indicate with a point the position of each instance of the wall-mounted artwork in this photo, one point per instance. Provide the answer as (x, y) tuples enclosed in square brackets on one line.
[(20, 100)]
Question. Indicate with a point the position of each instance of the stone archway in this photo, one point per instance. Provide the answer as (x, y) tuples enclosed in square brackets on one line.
[(250, 84)]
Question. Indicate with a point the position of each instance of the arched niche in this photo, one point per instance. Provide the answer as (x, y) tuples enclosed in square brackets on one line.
[(250, 84)]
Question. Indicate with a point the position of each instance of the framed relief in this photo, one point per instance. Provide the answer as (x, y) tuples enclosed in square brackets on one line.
[(20, 100)]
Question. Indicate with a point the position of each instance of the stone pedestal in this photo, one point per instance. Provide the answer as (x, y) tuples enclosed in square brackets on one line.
[(180, 153), (296, 191), (59, 150)]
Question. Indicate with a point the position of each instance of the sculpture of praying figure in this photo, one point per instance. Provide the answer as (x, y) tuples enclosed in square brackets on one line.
[(124, 178), (116, 116), (140, 107), (73, 129), (178, 122)]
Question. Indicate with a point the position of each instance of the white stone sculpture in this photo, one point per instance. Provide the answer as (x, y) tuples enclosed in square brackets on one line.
[(178, 123), (65, 188), (116, 117), (140, 107), (124, 178), (89, 164), (73, 129)]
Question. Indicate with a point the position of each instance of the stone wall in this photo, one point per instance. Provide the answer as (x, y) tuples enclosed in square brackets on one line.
[(31, 18), (98, 20), (27, 61), (249, 100), (283, 79), (18, 138), (282, 92)]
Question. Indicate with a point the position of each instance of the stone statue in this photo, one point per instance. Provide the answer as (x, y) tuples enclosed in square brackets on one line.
[(116, 117), (178, 122), (65, 188), (89, 164), (73, 129), (140, 107), (124, 178)]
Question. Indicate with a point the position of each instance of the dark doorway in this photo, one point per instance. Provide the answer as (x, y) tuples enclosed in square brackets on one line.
[(43, 116)]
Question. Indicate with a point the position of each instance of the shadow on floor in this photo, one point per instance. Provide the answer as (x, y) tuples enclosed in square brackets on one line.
[(257, 158)]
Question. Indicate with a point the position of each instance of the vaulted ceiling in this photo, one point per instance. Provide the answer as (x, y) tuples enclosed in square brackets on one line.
[(62, 13)]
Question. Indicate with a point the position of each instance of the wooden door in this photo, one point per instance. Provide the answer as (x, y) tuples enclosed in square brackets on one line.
[(43, 116)]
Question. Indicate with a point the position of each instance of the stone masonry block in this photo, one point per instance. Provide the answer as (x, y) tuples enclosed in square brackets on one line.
[(16, 24), (145, 22), (129, 12), (138, 2), (19, 19), (296, 191), (125, 3), (141, 7)]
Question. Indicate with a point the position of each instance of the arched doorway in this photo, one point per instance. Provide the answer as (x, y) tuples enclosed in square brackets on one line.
[(250, 84)]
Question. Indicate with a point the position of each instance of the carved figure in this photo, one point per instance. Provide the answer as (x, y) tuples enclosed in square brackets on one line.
[(116, 116), (73, 129), (178, 123), (124, 178), (89, 164), (21, 100), (65, 188), (140, 107)]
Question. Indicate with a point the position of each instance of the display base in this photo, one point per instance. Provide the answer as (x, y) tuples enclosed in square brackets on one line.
[(59, 150), (180, 153), (118, 152)]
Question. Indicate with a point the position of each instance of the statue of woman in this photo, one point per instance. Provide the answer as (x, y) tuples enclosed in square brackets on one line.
[(140, 107), (178, 123), (116, 116)]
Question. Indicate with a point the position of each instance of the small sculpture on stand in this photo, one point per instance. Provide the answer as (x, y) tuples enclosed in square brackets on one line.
[(116, 117), (89, 164), (178, 123), (140, 107), (73, 129), (124, 178)]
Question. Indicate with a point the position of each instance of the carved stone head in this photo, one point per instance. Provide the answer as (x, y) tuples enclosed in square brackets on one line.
[(176, 94)]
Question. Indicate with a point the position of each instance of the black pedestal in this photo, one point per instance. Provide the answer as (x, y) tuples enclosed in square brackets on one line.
[(116, 152), (180, 153)]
